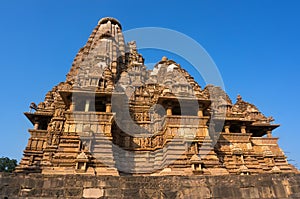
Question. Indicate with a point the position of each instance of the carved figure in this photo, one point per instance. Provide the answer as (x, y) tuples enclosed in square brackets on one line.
[(33, 106), (58, 112)]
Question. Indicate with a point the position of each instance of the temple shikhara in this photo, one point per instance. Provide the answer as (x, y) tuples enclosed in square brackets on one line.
[(113, 116)]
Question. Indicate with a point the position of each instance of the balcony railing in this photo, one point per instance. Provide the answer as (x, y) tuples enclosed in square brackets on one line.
[(90, 116), (184, 120), (264, 141)]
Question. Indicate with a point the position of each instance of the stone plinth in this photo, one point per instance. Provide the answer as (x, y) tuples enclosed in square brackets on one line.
[(262, 186)]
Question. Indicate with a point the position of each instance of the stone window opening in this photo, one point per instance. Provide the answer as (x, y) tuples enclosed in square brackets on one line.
[(244, 170), (234, 129), (101, 83), (196, 163), (184, 111), (42, 124), (81, 166), (245, 173), (91, 105), (81, 162), (197, 167), (176, 111), (80, 105), (100, 107)]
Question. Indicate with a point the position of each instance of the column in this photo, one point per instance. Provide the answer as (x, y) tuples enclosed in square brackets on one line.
[(36, 125), (127, 142), (87, 106), (242, 159), (72, 106), (108, 108), (169, 110), (269, 134), (200, 112), (196, 148), (186, 146), (227, 129), (206, 131), (243, 129)]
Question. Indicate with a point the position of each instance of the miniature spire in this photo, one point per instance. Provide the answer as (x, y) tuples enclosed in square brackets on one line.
[(164, 58), (239, 98)]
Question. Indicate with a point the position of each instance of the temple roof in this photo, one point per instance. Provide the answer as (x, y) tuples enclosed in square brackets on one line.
[(108, 64), (104, 46)]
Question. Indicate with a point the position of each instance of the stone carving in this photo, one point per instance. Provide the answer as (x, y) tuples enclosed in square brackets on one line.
[(41, 105), (33, 106), (58, 112), (55, 139)]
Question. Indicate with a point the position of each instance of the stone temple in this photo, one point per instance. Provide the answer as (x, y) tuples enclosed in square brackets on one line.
[(113, 116)]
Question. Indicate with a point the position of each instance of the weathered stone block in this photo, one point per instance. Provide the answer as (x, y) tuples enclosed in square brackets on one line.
[(92, 193), (73, 192)]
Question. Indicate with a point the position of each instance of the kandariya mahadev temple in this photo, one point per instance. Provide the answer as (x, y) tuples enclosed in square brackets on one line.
[(113, 116)]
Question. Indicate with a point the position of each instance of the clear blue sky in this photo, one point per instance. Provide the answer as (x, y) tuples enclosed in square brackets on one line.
[(255, 45)]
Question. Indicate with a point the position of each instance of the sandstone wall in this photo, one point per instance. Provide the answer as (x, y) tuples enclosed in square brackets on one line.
[(78, 186)]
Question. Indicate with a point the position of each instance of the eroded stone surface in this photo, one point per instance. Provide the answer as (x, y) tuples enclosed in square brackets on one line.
[(226, 187)]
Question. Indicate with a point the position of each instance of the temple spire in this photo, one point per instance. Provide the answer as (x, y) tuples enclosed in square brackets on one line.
[(105, 48)]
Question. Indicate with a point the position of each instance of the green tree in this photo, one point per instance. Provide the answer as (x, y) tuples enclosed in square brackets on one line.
[(7, 165)]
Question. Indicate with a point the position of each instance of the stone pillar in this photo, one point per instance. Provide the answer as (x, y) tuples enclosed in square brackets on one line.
[(242, 159), (200, 112), (169, 110), (87, 106), (227, 129), (36, 125), (127, 142), (186, 146), (29, 143), (206, 131), (269, 134), (243, 129), (196, 148), (72, 106), (108, 108)]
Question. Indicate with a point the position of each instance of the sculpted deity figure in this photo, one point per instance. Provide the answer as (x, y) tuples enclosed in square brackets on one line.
[(55, 139), (41, 105), (49, 128), (58, 112), (49, 140), (146, 142), (161, 140), (142, 143)]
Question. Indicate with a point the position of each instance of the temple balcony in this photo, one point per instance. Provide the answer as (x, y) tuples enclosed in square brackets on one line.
[(188, 127), (38, 133)]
